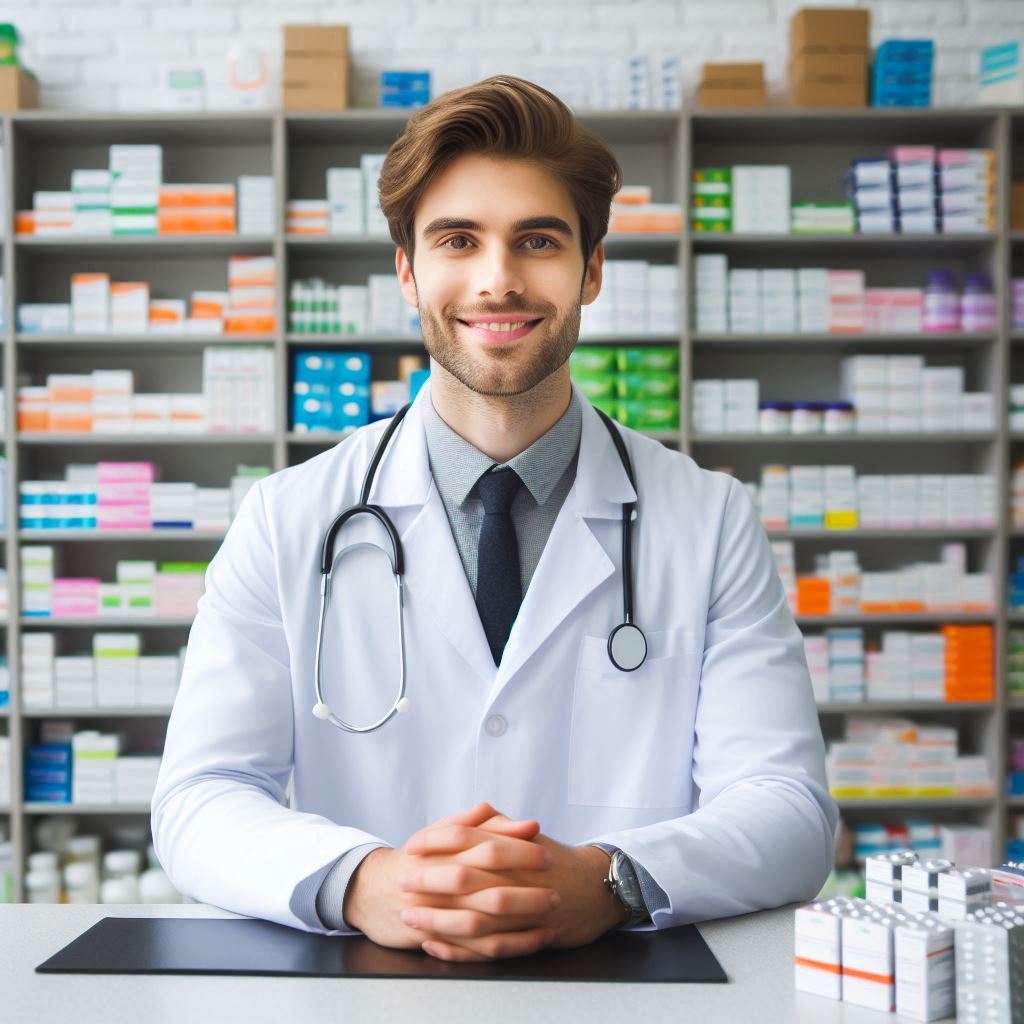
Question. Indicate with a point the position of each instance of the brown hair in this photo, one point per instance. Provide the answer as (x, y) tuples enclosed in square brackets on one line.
[(503, 116)]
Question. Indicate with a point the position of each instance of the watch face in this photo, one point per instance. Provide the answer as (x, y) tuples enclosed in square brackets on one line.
[(628, 886)]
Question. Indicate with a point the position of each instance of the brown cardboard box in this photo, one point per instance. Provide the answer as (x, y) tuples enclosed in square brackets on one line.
[(718, 97), (738, 76), (829, 66), (312, 39), (331, 72), (299, 96), (19, 88), (828, 29), (842, 92)]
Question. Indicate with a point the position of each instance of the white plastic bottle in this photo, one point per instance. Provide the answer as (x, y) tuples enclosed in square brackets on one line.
[(123, 889), (155, 887), (122, 864), (81, 884), (42, 887)]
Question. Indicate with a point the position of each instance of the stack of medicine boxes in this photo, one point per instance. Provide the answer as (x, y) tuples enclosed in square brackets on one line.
[(711, 200), (902, 74), (331, 391), (637, 386), (135, 190)]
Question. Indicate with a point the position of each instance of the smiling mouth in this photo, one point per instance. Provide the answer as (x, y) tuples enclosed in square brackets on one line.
[(496, 327)]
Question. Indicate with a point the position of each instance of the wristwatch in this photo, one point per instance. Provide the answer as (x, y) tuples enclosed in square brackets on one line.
[(623, 883)]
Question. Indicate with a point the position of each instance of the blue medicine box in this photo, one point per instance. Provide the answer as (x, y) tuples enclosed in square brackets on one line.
[(404, 88)]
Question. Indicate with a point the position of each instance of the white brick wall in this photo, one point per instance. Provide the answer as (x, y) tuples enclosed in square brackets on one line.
[(104, 55)]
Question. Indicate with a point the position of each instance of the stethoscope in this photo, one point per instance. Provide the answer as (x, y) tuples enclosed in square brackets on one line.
[(627, 645)]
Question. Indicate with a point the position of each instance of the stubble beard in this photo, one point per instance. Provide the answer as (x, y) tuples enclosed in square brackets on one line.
[(503, 372)]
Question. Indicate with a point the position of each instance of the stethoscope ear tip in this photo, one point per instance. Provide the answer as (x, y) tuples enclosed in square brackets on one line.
[(322, 711)]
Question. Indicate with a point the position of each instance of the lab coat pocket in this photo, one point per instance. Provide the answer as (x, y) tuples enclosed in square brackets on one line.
[(631, 738)]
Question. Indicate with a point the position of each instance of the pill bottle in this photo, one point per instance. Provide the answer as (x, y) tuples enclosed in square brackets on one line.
[(774, 418), (42, 887), (155, 887), (807, 418), (123, 889), (122, 864), (941, 302), (44, 860), (839, 418), (79, 849), (81, 884)]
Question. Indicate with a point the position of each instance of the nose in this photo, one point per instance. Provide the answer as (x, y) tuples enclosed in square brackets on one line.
[(498, 276)]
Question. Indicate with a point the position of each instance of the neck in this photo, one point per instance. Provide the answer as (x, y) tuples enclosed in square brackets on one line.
[(501, 426)]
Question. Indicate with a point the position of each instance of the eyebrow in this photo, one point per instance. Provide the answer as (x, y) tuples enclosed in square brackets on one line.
[(442, 224)]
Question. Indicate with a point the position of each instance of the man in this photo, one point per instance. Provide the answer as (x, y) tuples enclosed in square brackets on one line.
[(694, 782)]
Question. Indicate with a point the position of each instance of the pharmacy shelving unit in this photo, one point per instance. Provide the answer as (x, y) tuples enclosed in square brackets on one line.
[(655, 148)]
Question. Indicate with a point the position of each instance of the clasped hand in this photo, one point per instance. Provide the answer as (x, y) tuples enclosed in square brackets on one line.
[(480, 886)]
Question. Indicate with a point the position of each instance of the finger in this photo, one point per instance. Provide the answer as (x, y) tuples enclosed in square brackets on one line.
[(499, 946), (465, 921), (475, 815), (448, 878), (480, 847), (426, 839)]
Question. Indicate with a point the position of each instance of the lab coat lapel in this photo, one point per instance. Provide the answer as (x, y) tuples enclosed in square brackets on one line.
[(432, 562), (574, 562)]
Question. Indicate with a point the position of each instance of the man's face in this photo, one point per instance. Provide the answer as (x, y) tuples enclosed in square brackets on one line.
[(499, 276)]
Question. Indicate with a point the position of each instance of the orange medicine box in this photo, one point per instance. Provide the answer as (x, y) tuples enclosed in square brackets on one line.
[(813, 595)]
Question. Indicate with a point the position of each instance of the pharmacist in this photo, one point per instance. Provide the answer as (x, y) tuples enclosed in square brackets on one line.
[(562, 764)]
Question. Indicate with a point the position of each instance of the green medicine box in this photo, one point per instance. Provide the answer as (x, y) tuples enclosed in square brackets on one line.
[(596, 385), (648, 360), (642, 386), (650, 414), (591, 359)]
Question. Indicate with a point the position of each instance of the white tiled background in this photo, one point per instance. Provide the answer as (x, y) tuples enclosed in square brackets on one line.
[(105, 55)]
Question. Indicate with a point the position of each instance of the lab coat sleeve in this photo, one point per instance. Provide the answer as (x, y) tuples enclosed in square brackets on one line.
[(220, 825), (762, 834)]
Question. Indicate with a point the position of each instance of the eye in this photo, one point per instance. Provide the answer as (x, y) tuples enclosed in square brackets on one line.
[(548, 243), (447, 243)]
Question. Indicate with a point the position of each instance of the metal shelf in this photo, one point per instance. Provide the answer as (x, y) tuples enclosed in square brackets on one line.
[(965, 437), (147, 439), (184, 341), (904, 706), (99, 536), (47, 808), (894, 618), (120, 711), (911, 533), (92, 621), (911, 803), (670, 142)]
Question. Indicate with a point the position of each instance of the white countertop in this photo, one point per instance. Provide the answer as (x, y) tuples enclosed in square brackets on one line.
[(756, 952)]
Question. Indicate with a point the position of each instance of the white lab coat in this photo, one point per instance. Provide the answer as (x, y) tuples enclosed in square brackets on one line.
[(706, 765)]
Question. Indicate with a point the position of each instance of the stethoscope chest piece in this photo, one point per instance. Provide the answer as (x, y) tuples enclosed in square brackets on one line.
[(627, 647)]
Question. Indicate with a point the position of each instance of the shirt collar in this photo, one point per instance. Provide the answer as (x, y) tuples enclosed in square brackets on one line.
[(457, 465)]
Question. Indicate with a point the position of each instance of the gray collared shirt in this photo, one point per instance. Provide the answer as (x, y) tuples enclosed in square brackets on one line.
[(548, 471)]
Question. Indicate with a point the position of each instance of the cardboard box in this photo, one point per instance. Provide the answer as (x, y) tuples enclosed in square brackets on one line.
[(717, 97), (829, 66), (810, 92), (829, 30), (323, 71), (741, 76), (19, 88), (313, 97), (316, 39)]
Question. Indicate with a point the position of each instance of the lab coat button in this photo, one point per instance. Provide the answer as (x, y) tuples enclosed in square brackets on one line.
[(496, 725)]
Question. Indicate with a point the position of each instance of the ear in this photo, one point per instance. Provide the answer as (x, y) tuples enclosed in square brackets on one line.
[(403, 267), (592, 276)]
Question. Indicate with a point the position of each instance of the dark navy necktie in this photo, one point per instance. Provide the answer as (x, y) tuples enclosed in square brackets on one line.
[(498, 589)]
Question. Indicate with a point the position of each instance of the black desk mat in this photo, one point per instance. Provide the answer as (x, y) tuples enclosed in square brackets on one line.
[(181, 945)]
